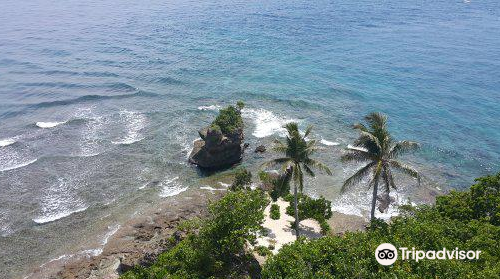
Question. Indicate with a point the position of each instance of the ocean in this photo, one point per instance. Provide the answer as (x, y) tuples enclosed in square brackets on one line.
[(100, 101)]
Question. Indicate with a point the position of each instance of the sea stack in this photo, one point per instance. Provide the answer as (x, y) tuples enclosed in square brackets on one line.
[(220, 144)]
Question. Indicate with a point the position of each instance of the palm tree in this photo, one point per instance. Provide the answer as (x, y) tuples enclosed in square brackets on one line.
[(376, 146), (296, 160)]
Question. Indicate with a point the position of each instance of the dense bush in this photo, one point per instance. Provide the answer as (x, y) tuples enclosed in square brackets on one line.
[(464, 220), (262, 251), (218, 250), (318, 209), (482, 202), (242, 178), (229, 120), (274, 212)]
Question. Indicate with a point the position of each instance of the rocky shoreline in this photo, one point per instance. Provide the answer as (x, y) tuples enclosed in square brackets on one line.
[(137, 242)]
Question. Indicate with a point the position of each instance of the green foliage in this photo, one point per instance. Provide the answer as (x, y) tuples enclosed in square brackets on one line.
[(481, 202), (280, 184), (235, 220), (190, 225), (325, 227), (240, 105), (462, 220), (275, 212), (213, 253), (318, 209), (229, 120), (242, 178), (262, 251)]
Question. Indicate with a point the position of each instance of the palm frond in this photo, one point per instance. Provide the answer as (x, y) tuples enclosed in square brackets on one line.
[(376, 120), (308, 131), (403, 147), (369, 141), (356, 155), (361, 127), (308, 170), (358, 176), (318, 165), (405, 169)]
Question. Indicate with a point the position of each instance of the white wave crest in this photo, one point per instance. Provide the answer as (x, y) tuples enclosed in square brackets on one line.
[(211, 107), (59, 201), (11, 165), (266, 122), (211, 189), (358, 203), (328, 143), (7, 142), (171, 187), (356, 147), (46, 125), (134, 123)]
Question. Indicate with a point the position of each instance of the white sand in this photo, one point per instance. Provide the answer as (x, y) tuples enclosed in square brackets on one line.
[(280, 231)]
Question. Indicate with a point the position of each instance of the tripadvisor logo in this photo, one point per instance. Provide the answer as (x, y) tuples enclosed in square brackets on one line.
[(387, 254)]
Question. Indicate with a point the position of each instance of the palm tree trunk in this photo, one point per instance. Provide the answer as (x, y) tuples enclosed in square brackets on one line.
[(374, 200), (296, 207)]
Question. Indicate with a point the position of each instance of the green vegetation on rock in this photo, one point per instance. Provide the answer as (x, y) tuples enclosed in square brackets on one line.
[(229, 120)]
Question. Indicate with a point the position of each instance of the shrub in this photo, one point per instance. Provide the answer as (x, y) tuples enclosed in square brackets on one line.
[(275, 212), (325, 227), (242, 178), (481, 202), (318, 209), (240, 105), (262, 251), (229, 120)]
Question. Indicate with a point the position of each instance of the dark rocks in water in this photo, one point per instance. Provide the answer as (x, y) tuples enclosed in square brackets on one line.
[(260, 149), (246, 145), (217, 150)]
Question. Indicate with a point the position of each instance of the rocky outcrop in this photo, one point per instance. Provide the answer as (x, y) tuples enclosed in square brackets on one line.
[(216, 150), (260, 149)]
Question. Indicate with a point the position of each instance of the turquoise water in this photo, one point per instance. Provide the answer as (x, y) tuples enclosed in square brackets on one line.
[(98, 99)]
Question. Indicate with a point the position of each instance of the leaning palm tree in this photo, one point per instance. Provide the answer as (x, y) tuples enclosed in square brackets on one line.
[(297, 153), (376, 146)]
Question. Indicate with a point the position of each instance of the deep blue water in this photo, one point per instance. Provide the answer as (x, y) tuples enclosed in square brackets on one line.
[(122, 86)]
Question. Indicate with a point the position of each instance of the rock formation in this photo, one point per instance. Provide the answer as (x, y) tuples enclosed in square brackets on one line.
[(220, 146)]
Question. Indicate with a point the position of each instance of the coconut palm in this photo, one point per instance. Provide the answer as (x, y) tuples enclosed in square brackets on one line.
[(376, 146), (297, 159)]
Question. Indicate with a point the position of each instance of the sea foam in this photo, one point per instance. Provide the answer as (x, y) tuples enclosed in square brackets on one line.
[(328, 143), (46, 125), (134, 123), (266, 122), (7, 142), (59, 201), (171, 187)]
